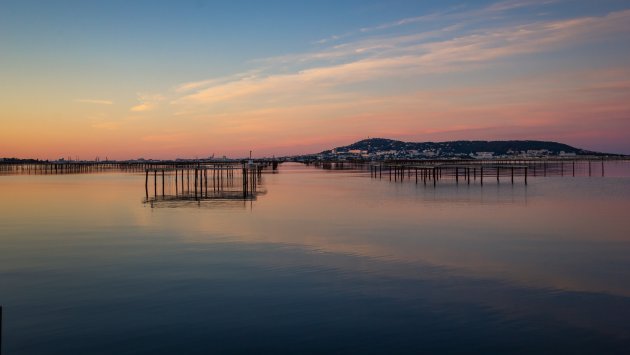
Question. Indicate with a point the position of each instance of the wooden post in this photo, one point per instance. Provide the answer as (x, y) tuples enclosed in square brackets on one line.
[(497, 174), (244, 183), (525, 175), (481, 175), (162, 182), (512, 175), (196, 181), (176, 184), (146, 183), (155, 183)]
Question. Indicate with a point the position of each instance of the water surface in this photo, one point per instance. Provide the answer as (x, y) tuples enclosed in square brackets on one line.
[(322, 261)]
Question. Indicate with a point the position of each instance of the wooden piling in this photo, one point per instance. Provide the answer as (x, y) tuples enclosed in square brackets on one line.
[(196, 181)]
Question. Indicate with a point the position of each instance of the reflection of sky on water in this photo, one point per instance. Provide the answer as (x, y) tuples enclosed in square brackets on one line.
[(324, 262)]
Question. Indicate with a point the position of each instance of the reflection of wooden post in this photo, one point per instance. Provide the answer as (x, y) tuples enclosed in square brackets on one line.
[(534, 166)]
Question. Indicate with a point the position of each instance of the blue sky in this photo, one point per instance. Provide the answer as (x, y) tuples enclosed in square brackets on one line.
[(150, 75)]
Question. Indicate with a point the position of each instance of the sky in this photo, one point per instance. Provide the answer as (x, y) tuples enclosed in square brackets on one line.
[(191, 79)]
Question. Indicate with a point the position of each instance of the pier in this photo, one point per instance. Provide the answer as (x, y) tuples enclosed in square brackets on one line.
[(432, 172), (88, 167)]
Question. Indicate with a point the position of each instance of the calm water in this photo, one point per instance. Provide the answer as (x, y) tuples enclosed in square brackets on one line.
[(321, 262)]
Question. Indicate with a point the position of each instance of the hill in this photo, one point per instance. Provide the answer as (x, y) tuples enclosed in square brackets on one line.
[(399, 149)]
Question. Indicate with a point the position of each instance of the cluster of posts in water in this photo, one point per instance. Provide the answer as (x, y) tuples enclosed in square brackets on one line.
[(434, 171), (202, 183)]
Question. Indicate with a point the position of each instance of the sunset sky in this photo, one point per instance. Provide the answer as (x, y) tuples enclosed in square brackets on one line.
[(167, 79)]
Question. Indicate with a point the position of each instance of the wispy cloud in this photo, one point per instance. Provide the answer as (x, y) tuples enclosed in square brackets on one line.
[(147, 102), (94, 101), (460, 13), (517, 4), (408, 56)]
